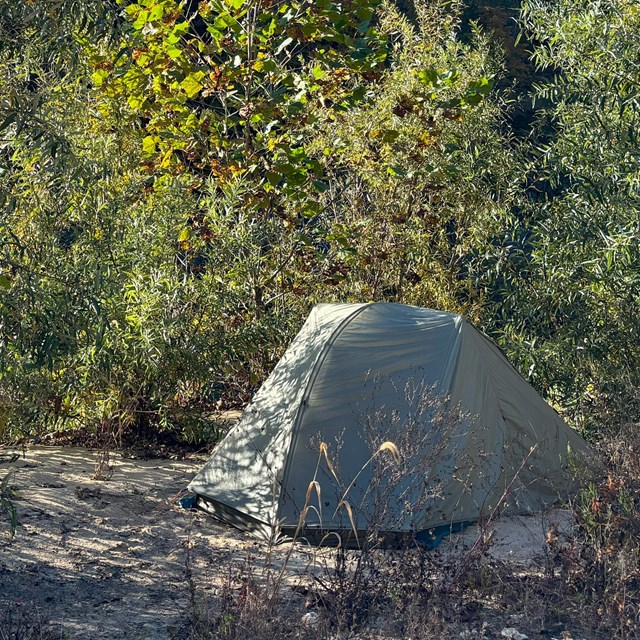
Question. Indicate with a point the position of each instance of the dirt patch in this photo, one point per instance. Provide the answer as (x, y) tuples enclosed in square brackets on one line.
[(120, 559), (108, 559)]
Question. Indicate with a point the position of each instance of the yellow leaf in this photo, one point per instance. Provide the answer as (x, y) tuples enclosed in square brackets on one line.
[(191, 84)]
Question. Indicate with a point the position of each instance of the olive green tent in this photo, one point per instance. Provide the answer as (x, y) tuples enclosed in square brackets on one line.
[(470, 436)]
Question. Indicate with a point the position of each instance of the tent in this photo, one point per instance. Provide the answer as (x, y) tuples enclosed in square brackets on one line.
[(311, 454)]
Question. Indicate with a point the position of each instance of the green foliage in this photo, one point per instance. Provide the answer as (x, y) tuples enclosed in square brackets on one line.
[(226, 89), (7, 508), (137, 293), (179, 182), (39, 48), (420, 174), (579, 313), (99, 315)]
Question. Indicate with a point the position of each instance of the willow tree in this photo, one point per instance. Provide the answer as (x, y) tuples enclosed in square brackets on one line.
[(578, 305)]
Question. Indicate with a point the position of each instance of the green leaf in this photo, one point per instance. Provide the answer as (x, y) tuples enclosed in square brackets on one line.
[(269, 66), (358, 94), (450, 77), (97, 77), (311, 209), (141, 20), (181, 29), (451, 104), (149, 144), (390, 135), (428, 76), (364, 13), (482, 86), (191, 84), (173, 52), (11, 118), (157, 12), (5, 282), (472, 99), (271, 29), (215, 34), (273, 178), (135, 102)]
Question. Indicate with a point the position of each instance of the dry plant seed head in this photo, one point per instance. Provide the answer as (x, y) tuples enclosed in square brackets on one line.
[(347, 507), (389, 446), (327, 536), (314, 484), (324, 450)]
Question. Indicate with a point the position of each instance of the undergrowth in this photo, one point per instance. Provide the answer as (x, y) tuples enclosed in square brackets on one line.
[(601, 569), (7, 508), (26, 624), (587, 587)]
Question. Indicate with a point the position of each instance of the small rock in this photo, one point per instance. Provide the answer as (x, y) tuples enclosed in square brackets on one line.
[(310, 619), (513, 634)]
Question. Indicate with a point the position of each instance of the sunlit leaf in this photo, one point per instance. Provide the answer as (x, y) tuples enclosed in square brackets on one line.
[(192, 84)]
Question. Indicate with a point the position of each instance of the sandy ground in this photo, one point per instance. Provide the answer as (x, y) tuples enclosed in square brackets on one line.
[(111, 559), (114, 558)]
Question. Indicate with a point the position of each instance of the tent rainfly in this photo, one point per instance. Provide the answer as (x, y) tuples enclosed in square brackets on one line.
[(470, 436)]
